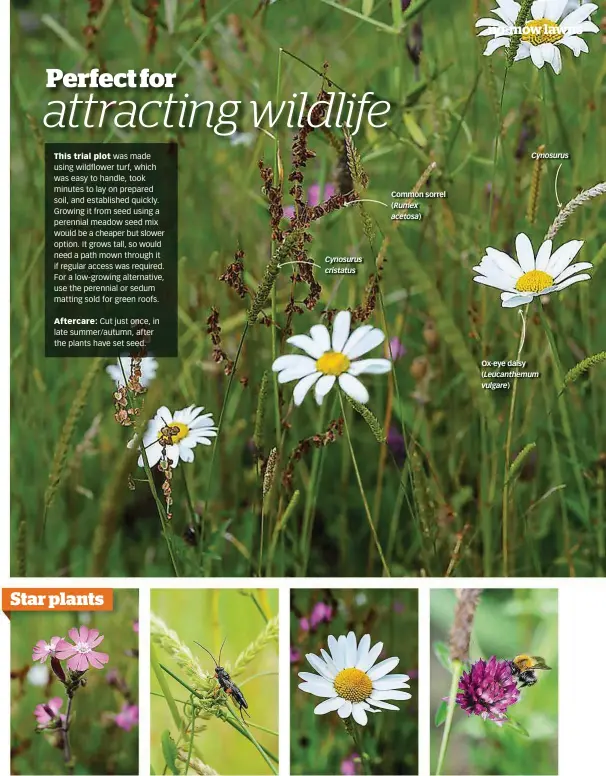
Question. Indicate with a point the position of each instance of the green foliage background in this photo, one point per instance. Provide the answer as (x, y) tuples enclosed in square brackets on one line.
[(98, 744), (446, 516), (319, 744), (209, 616), (507, 623)]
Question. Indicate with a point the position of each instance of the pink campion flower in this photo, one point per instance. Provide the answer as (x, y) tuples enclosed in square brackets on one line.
[(128, 717), (43, 650), (81, 655), (313, 197), (45, 713)]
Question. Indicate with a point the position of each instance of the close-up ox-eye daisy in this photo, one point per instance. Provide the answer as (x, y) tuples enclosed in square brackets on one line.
[(543, 33), (176, 433), (522, 280), (351, 680), (332, 359)]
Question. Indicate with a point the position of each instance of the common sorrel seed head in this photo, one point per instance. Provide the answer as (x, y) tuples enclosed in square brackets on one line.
[(488, 689)]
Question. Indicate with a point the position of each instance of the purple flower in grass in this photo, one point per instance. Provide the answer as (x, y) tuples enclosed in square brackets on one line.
[(128, 717), (488, 689), (313, 197)]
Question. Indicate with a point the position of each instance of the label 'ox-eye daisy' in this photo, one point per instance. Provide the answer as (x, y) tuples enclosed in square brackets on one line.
[(331, 359), (522, 280), (352, 681)]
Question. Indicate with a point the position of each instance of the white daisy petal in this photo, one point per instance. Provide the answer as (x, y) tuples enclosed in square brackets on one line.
[(303, 386), (390, 695), (586, 27), (297, 372), (340, 330), (186, 453), (352, 649), (321, 690), (369, 341), (363, 648), (359, 714), (539, 9), (332, 704), (354, 388), (320, 666), (389, 683), (543, 255), (383, 704), (307, 676), (373, 366), (495, 44), (578, 15), (510, 9), (575, 44), (345, 710), (571, 270), (556, 62), (523, 52), (329, 661), (320, 334), (355, 337), (504, 262), (335, 652), (537, 56), (515, 300), (288, 362), (555, 9), (382, 668), (563, 257), (307, 344), (495, 282), (525, 252), (323, 386), (570, 281), (371, 657)]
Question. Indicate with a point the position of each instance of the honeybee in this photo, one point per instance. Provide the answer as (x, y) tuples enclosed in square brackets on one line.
[(523, 668)]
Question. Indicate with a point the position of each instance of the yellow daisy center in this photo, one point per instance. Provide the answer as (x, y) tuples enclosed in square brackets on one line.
[(332, 363), (173, 433), (534, 281), (353, 685), (539, 31)]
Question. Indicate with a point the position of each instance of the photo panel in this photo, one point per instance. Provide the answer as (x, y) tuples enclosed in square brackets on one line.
[(494, 682), (354, 689), (214, 681)]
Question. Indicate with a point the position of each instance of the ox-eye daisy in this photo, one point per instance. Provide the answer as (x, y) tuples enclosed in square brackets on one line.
[(542, 33), (352, 681), (522, 280), (122, 367), (333, 358), (176, 433)]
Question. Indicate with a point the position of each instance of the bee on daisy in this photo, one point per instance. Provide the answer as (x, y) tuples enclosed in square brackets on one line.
[(332, 358), (548, 28), (531, 276)]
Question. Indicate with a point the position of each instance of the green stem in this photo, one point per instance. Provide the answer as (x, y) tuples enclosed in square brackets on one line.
[(150, 479), (561, 398), (354, 732), (311, 495), (512, 407), (371, 524), (191, 737), (457, 670)]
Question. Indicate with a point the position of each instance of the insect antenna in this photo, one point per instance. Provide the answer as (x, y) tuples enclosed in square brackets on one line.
[(221, 650), (209, 652)]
